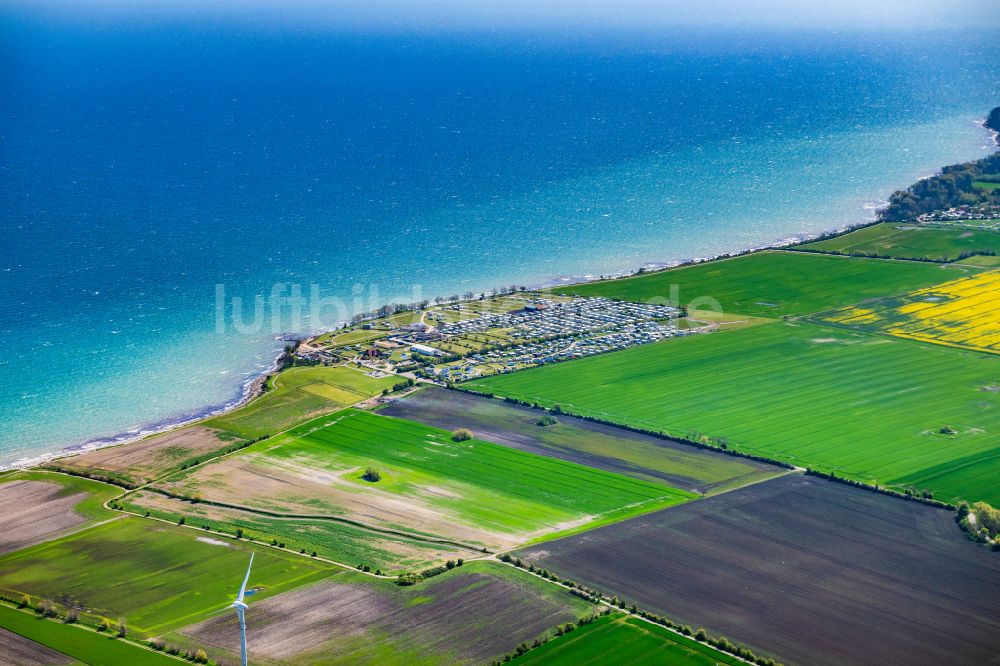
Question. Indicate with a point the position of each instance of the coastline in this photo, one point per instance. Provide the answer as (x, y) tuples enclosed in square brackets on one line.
[(250, 388)]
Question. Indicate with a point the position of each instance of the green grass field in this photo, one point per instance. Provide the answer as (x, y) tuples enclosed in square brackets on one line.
[(484, 484), (471, 491), (89, 647), (157, 576), (863, 406), (620, 639), (591, 444), (911, 241), (299, 394), (774, 283)]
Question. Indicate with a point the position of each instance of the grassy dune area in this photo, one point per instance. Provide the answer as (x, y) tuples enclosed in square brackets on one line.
[(139, 462), (620, 639), (470, 615), (585, 442), (863, 406), (770, 284), (469, 491), (158, 577), (299, 394), (910, 241)]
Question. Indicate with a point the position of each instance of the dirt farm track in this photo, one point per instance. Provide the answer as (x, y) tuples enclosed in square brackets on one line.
[(815, 571)]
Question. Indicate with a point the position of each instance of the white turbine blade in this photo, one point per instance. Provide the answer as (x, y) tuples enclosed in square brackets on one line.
[(243, 587)]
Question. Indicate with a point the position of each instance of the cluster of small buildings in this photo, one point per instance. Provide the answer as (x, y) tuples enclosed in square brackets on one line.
[(542, 331), (564, 349), (986, 211), (543, 318)]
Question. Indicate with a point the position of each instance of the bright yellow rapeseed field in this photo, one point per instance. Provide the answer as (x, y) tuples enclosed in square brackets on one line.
[(961, 313)]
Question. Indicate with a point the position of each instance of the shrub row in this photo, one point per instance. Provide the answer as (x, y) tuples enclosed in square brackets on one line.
[(924, 497), (119, 628), (196, 656), (414, 578), (112, 478)]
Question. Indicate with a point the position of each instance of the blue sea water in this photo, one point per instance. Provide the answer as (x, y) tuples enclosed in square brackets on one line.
[(148, 166)]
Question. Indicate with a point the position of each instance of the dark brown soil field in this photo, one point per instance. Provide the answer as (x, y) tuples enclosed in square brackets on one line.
[(580, 441), (812, 571), (16, 650), (468, 616), (34, 511)]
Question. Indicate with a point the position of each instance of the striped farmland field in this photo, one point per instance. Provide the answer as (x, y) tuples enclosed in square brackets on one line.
[(863, 406)]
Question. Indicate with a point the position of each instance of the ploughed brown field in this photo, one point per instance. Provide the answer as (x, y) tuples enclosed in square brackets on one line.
[(35, 511), (16, 650), (580, 441), (812, 571), (471, 615)]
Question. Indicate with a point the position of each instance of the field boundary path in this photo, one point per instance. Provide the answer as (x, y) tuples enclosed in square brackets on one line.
[(326, 517)]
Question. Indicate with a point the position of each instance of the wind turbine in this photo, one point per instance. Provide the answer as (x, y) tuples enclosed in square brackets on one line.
[(240, 607)]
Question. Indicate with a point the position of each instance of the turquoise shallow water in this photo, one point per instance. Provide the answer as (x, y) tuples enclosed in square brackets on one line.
[(146, 165)]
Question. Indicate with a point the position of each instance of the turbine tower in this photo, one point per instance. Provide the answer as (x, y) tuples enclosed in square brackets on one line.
[(240, 607)]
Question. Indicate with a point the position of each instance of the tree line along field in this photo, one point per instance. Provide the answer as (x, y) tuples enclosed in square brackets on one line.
[(88, 647), (773, 283), (299, 394), (580, 441), (909, 241), (818, 572), (620, 639), (862, 406), (472, 614), (158, 577), (470, 491)]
